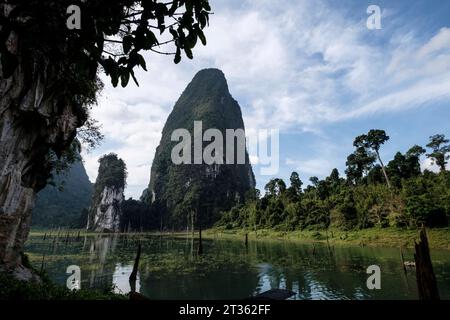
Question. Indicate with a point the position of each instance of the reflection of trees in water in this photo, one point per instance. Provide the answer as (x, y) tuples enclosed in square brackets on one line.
[(338, 274), (224, 282), (102, 268), (171, 269)]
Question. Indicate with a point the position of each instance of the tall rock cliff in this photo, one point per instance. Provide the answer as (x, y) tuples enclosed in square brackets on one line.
[(106, 205), (187, 192), (64, 207), (40, 111)]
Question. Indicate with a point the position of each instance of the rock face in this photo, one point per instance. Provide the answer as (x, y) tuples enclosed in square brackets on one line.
[(106, 206), (56, 207), (35, 119), (186, 192), (108, 212)]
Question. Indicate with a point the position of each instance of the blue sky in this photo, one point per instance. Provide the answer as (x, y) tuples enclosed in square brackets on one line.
[(309, 68)]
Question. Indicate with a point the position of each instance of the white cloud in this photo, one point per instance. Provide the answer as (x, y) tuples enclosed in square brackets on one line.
[(312, 167), (427, 164), (440, 41)]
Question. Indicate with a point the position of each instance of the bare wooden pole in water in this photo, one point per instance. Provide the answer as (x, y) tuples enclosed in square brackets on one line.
[(328, 244), (133, 276), (192, 223), (403, 260), (200, 244), (42, 263), (426, 280)]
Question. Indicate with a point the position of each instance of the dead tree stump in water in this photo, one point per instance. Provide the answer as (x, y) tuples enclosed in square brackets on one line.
[(133, 276), (200, 243), (42, 264), (328, 245), (246, 240), (426, 280), (403, 260)]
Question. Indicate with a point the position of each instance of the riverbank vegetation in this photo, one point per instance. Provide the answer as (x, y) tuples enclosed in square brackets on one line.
[(398, 195), (42, 288), (14, 289), (439, 238)]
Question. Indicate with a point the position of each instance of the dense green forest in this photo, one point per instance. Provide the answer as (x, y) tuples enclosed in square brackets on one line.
[(371, 195), (64, 202)]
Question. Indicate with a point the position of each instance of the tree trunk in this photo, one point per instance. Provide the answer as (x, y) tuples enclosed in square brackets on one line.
[(384, 170), (133, 275), (426, 280), (200, 241), (34, 119), (192, 224)]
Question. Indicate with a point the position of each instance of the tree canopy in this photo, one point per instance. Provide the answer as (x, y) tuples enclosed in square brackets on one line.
[(112, 34), (439, 150), (362, 200)]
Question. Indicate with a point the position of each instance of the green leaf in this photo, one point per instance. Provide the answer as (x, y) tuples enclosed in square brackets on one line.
[(127, 43), (141, 62), (173, 33), (177, 58), (206, 5), (114, 80), (150, 40), (203, 20), (191, 39), (134, 77), (200, 34), (111, 69), (188, 52), (124, 77), (161, 27)]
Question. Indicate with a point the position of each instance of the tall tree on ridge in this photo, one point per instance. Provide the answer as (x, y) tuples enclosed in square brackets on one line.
[(296, 184), (440, 147), (358, 164), (373, 141)]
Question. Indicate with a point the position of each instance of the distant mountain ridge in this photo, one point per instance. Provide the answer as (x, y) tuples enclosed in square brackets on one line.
[(65, 207)]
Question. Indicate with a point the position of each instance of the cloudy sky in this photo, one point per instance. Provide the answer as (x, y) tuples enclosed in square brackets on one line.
[(309, 68)]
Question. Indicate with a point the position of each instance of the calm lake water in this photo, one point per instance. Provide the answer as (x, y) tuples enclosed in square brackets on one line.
[(170, 268)]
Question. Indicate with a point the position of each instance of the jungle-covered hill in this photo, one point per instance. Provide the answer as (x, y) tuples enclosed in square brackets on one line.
[(64, 202)]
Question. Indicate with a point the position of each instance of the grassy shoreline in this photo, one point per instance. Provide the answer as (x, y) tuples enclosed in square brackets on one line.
[(377, 237), (439, 238)]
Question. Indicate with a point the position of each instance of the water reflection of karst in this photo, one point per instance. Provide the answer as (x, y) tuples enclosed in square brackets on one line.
[(223, 272), (102, 271), (171, 269)]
